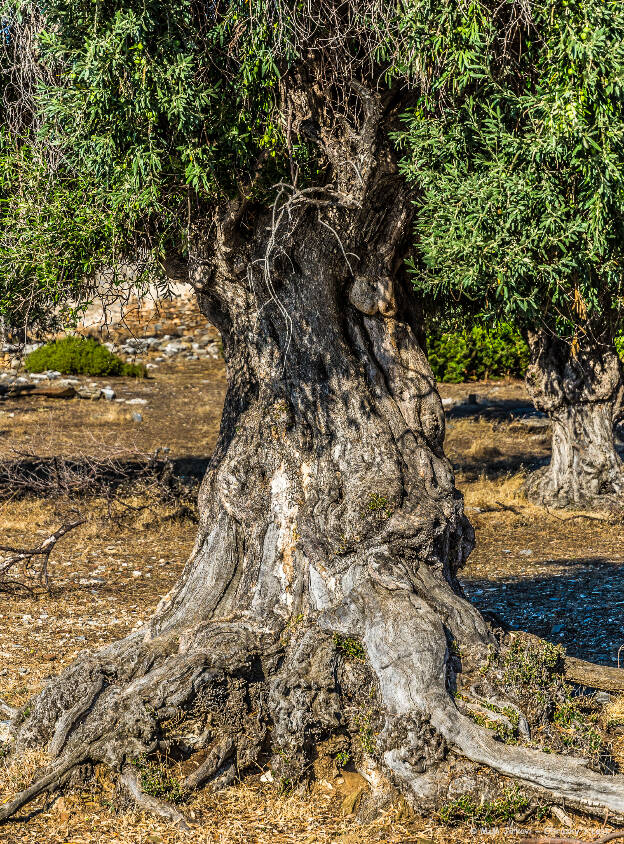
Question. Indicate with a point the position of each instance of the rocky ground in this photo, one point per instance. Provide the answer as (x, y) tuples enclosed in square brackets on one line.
[(557, 575)]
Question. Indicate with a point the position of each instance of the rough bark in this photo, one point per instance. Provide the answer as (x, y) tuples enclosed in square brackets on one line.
[(320, 604), (582, 393)]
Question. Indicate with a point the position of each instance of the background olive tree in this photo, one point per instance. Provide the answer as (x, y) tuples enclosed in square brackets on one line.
[(517, 150)]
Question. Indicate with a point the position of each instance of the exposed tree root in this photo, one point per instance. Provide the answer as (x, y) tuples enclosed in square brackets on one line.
[(223, 694), (149, 803), (52, 779), (212, 765)]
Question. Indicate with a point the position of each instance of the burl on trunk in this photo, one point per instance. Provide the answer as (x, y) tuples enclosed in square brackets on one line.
[(582, 392), (320, 607)]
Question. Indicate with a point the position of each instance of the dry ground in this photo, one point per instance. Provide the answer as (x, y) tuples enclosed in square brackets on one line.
[(559, 575)]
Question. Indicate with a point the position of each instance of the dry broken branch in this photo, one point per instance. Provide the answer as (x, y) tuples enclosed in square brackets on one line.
[(33, 562)]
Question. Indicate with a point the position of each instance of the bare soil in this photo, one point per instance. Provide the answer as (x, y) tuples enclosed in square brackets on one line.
[(557, 575)]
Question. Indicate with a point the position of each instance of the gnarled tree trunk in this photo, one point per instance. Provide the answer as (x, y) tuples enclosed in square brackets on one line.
[(320, 602), (583, 396)]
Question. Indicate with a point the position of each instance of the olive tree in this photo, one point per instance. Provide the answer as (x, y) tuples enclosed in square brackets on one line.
[(519, 162), (247, 146)]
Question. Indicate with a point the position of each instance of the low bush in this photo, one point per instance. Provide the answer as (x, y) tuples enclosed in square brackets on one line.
[(477, 353), (81, 356)]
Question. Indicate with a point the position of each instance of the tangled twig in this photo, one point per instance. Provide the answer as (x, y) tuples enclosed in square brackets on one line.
[(28, 557)]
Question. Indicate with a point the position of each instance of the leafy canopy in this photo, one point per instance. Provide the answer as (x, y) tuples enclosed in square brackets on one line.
[(128, 122), (517, 149)]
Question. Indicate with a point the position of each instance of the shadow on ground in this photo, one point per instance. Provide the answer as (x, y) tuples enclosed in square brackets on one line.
[(582, 609), (51, 476), (500, 410)]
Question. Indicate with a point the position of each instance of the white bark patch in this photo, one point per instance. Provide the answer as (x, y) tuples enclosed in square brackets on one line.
[(319, 594), (284, 511)]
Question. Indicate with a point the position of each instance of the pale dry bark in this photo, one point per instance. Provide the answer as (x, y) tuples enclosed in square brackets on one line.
[(329, 517), (582, 393)]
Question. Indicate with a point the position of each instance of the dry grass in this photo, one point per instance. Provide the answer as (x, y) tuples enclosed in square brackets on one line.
[(182, 412), (487, 492), (112, 413), (247, 813)]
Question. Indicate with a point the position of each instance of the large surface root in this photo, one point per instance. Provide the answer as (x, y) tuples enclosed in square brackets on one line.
[(224, 699)]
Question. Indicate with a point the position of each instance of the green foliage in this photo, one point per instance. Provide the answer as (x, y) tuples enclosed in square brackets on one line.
[(532, 664), (55, 235), (145, 114), (158, 781), (342, 758), (516, 146), (146, 117), (477, 353), (532, 673), (377, 506), (80, 356), (366, 733), (466, 810)]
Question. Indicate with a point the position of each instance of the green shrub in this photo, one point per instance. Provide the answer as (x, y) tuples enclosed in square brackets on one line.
[(81, 356), (477, 353)]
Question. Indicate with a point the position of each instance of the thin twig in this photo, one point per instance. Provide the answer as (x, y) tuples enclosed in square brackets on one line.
[(26, 556)]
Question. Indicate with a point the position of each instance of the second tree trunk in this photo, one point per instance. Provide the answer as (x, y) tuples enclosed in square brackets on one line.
[(582, 395)]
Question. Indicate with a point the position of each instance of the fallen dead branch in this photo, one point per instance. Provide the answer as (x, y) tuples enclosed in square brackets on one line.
[(28, 474), (595, 676), (33, 561)]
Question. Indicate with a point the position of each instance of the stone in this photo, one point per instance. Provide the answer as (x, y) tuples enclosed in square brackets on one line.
[(93, 393), (108, 393), (137, 417), (350, 802)]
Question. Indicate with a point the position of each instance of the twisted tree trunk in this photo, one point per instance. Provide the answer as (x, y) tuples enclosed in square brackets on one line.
[(320, 607), (583, 397)]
